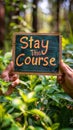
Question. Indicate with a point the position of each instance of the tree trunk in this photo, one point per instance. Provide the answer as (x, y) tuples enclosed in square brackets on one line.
[(2, 24), (57, 15), (34, 15), (71, 14)]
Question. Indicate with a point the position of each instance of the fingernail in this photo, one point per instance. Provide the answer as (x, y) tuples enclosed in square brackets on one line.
[(62, 60), (12, 84)]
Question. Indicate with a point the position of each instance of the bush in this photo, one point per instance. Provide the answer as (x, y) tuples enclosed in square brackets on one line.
[(38, 102)]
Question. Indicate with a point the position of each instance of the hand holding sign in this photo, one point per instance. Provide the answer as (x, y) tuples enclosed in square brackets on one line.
[(66, 78), (9, 75)]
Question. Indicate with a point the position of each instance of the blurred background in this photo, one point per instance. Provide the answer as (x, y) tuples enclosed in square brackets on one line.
[(43, 16)]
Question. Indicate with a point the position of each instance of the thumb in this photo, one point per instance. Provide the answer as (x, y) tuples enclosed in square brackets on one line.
[(63, 67), (10, 67)]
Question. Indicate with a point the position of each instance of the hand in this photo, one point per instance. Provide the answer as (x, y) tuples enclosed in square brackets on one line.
[(66, 78), (9, 75)]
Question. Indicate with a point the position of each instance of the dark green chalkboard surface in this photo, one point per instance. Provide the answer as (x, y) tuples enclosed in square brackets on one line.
[(35, 53)]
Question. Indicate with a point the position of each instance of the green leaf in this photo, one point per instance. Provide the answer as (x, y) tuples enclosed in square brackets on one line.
[(24, 96), (19, 104), (16, 114), (34, 128), (54, 98), (24, 83), (55, 126), (4, 85), (2, 112), (38, 88), (63, 96), (42, 115), (7, 120), (29, 98), (30, 95), (15, 127)]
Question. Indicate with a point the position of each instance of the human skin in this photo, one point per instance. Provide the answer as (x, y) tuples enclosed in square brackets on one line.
[(9, 75), (66, 78)]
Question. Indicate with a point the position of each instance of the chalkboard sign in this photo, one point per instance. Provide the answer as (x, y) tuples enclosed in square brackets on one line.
[(35, 53)]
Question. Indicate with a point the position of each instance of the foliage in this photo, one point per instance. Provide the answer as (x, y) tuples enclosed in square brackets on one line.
[(68, 54), (4, 60), (38, 103)]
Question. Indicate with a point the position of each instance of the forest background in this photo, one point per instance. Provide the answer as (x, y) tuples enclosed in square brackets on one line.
[(38, 102)]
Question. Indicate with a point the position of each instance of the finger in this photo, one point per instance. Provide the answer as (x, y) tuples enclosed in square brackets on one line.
[(5, 73), (11, 87), (10, 90), (14, 77), (11, 74), (15, 83), (5, 76), (60, 79), (6, 79), (64, 68), (65, 88), (69, 68), (10, 67)]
